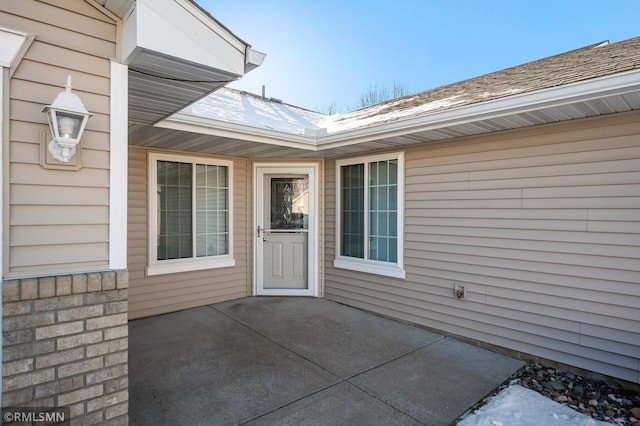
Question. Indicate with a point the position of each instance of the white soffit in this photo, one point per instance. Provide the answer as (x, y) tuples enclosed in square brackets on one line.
[(176, 53), (117, 7)]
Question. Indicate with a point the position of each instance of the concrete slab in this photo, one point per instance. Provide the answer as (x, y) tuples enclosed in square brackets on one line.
[(198, 367), (340, 405), (439, 383), (344, 340), (290, 360)]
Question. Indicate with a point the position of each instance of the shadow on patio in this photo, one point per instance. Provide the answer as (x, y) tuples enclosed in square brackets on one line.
[(275, 360)]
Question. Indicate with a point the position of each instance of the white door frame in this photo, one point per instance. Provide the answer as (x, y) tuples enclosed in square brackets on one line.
[(260, 170)]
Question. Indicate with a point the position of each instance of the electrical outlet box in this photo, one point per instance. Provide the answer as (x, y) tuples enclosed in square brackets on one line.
[(459, 291)]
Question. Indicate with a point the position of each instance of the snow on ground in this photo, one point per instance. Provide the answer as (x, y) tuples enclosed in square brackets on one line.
[(519, 406)]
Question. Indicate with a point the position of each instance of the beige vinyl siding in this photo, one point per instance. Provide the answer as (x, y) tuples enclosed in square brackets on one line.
[(58, 220), (541, 226), (329, 203), (249, 230), (153, 295)]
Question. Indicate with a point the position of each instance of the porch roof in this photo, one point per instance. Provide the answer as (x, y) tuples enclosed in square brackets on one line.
[(595, 80), (176, 53)]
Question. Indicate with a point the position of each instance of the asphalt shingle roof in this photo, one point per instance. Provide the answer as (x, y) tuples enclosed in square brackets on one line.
[(587, 63), (597, 60)]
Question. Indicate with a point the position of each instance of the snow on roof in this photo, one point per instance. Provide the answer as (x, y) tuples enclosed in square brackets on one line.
[(234, 106), (239, 107), (586, 63), (386, 112)]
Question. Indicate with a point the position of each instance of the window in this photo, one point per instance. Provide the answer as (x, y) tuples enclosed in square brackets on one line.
[(369, 214), (190, 218)]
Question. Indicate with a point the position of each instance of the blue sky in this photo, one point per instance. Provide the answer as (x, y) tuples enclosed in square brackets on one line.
[(330, 52)]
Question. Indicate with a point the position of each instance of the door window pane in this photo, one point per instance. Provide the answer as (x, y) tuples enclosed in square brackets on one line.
[(289, 203)]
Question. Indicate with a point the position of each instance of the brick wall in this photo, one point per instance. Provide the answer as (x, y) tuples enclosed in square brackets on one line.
[(65, 343)]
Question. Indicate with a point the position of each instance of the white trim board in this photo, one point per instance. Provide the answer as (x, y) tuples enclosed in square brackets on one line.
[(13, 46), (118, 167)]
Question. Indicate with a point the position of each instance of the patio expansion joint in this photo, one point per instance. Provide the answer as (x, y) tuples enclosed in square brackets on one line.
[(276, 343), (341, 380), (396, 358), (291, 402), (345, 380), (349, 379)]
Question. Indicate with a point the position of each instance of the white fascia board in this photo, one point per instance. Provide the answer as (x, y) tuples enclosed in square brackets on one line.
[(130, 48), (552, 97), (176, 28), (208, 126), (212, 24)]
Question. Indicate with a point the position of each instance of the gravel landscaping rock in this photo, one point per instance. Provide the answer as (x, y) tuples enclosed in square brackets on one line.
[(602, 401)]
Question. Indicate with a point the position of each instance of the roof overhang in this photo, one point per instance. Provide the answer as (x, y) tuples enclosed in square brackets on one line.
[(596, 97), (176, 53), (13, 46)]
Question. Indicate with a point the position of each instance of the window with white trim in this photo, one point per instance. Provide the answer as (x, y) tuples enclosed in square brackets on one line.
[(369, 214), (190, 214)]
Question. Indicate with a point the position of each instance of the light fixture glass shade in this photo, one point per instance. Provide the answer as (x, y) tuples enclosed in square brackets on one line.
[(69, 125), (67, 118)]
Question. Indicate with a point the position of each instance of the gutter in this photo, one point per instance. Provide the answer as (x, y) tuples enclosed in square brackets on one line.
[(252, 59), (616, 84), (207, 126)]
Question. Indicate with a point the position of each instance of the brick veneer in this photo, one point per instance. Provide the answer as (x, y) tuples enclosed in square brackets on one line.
[(65, 343)]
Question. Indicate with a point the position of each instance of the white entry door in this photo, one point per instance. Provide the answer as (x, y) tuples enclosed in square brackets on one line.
[(285, 231)]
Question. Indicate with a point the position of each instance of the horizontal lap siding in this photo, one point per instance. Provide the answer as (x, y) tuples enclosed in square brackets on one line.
[(543, 229), (159, 294), (58, 219)]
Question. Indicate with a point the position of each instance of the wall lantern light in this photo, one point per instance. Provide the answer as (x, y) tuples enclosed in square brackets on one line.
[(67, 118)]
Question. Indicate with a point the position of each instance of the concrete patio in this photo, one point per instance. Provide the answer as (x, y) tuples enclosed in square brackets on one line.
[(290, 361)]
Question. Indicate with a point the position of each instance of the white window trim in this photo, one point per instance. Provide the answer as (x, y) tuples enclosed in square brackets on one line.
[(157, 267), (395, 270)]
